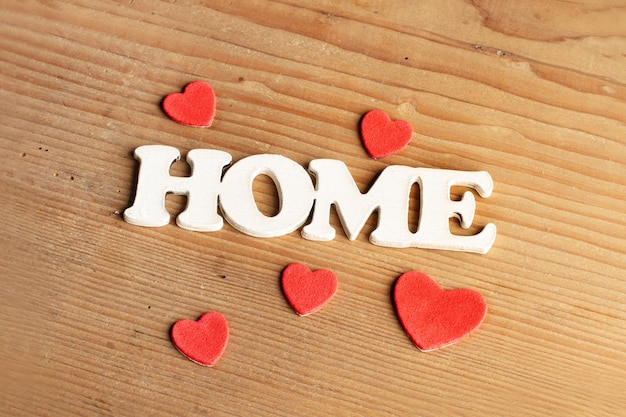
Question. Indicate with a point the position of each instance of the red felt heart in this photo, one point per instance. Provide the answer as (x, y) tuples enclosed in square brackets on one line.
[(308, 291), (195, 106), (432, 317), (382, 136), (201, 341)]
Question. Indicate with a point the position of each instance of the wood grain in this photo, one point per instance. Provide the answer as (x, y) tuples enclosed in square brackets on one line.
[(533, 92)]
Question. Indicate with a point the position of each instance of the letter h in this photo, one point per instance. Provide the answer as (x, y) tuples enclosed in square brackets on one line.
[(201, 188)]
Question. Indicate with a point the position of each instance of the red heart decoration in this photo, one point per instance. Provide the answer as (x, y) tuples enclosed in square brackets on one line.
[(202, 341), (432, 317), (308, 291), (195, 106), (382, 136)]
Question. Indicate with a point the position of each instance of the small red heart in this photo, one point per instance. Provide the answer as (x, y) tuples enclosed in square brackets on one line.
[(432, 317), (308, 291), (195, 106), (202, 341), (382, 136)]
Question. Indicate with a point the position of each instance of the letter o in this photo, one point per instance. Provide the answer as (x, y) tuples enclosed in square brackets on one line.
[(295, 193)]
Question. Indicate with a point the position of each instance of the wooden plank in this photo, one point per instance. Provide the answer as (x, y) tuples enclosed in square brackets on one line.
[(534, 94)]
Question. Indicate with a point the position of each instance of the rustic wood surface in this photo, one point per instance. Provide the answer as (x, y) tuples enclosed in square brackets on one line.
[(534, 92)]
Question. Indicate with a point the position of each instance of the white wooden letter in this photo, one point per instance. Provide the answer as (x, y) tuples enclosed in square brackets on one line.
[(388, 195), (436, 208), (295, 192), (201, 188)]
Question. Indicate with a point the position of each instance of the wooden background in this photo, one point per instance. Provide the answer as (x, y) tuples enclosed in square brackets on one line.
[(534, 92)]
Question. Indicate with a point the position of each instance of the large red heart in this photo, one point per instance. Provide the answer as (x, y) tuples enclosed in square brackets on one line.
[(432, 317), (202, 341), (308, 291), (195, 106), (382, 136)]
